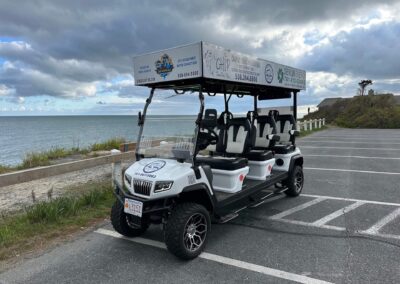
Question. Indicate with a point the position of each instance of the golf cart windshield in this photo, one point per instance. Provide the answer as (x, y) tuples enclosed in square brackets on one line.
[(169, 127)]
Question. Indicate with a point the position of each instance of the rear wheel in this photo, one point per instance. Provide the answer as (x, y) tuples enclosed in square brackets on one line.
[(295, 182), (123, 223), (187, 230)]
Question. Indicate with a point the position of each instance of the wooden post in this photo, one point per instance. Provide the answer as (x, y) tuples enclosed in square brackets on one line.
[(305, 125), (311, 122), (323, 121), (116, 169)]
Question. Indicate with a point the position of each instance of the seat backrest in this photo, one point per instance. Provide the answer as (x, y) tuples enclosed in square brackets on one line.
[(265, 125), (238, 136), (285, 123)]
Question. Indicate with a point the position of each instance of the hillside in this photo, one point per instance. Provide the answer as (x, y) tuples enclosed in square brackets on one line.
[(372, 111)]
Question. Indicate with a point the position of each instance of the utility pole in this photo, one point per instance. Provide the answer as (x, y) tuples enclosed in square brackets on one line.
[(363, 84)]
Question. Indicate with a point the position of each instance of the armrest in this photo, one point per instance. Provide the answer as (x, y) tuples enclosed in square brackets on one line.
[(294, 132), (273, 137)]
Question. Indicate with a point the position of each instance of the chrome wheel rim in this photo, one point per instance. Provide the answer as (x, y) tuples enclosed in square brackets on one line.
[(298, 181), (195, 232)]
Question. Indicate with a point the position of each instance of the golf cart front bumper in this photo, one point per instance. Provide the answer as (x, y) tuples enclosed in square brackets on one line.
[(150, 207)]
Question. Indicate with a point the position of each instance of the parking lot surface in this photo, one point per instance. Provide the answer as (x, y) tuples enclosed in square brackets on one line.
[(344, 228)]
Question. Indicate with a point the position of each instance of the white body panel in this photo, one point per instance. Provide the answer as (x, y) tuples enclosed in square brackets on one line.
[(286, 159), (229, 181), (210, 61), (259, 170), (181, 174)]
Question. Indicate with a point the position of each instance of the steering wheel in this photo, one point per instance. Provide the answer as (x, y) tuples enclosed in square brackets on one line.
[(213, 137), (207, 138)]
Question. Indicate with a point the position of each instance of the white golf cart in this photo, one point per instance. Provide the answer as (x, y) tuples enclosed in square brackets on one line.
[(228, 164)]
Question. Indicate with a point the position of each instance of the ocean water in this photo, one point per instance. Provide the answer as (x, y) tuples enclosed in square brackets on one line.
[(21, 135)]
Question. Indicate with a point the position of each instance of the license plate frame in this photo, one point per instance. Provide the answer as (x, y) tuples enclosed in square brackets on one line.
[(133, 207)]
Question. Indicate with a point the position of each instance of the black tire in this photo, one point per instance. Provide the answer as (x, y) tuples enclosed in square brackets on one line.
[(120, 222), (183, 237), (295, 182)]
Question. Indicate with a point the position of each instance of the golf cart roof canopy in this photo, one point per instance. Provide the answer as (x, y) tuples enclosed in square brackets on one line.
[(216, 70)]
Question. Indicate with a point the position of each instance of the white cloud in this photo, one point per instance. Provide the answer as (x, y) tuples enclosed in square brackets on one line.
[(5, 91)]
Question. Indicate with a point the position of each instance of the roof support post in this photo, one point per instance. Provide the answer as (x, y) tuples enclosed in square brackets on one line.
[(141, 118), (198, 124), (295, 105), (255, 104)]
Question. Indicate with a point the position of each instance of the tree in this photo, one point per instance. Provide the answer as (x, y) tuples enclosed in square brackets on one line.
[(363, 84), (371, 92)]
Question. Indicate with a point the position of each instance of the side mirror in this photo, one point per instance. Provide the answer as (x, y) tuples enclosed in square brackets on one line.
[(140, 122)]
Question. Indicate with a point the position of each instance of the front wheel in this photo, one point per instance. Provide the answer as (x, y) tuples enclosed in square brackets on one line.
[(295, 182), (122, 222), (187, 230)]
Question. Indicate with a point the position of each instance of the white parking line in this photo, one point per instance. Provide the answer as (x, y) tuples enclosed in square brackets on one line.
[(355, 157), (337, 213), (373, 137), (379, 225), (307, 224), (353, 148), (348, 138), (352, 142), (225, 260), (297, 208), (353, 200), (321, 223), (353, 171)]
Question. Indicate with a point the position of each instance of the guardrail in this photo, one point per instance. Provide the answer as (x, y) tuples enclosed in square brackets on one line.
[(54, 170), (310, 124), (125, 152)]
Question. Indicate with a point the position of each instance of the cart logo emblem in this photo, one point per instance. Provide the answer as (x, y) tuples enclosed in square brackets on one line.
[(164, 65), (269, 73), (154, 166)]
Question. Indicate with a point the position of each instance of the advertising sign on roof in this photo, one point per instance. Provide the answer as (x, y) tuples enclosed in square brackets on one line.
[(214, 62), (173, 64), (224, 64)]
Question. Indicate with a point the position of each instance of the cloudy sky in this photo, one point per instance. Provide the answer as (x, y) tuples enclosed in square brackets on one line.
[(75, 57)]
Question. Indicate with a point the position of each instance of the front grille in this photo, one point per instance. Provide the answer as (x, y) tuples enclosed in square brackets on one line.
[(142, 187)]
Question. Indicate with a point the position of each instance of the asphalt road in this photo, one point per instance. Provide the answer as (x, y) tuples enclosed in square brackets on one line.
[(345, 228)]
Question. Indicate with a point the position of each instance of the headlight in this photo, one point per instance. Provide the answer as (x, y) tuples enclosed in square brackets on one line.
[(163, 186), (128, 179)]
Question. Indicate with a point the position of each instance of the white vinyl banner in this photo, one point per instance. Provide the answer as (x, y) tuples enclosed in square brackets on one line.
[(190, 61), (173, 64), (224, 64)]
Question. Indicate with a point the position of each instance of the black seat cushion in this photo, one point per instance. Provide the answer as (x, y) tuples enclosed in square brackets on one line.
[(283, 149), (259, 155), (228, 164)]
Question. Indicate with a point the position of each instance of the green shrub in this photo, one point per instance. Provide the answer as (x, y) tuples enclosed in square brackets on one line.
[(44, 158), (108, 145), (53, 211), (372, 111)]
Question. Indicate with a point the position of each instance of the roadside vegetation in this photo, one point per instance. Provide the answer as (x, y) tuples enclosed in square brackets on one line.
[(46, 221), (371, 111), (45, 158)]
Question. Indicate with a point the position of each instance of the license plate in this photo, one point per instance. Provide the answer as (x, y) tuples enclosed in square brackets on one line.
[(133, 207)]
